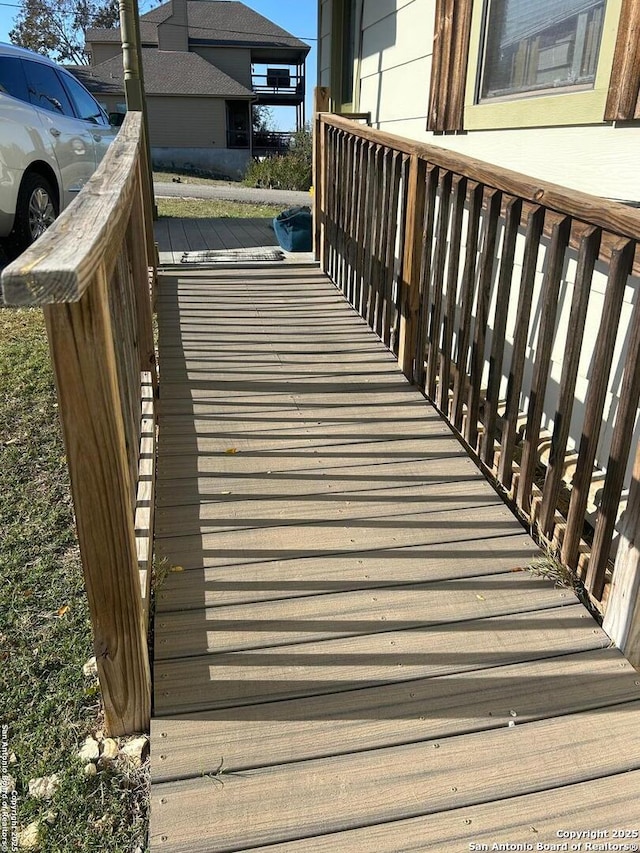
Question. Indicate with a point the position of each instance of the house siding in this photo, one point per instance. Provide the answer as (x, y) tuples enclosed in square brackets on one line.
[(395, 70), (102, 52), (236, 62), (184, 122)]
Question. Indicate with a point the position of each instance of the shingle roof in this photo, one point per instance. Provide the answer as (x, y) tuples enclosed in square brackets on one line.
[(166, 72), (219, 21)]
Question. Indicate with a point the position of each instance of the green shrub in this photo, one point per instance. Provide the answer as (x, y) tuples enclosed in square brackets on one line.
[(291, 171)]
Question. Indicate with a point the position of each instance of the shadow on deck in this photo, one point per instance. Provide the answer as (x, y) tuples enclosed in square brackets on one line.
[(349, 652)]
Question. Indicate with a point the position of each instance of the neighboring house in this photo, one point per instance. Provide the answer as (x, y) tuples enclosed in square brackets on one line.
[(528, 85), (204, 63)]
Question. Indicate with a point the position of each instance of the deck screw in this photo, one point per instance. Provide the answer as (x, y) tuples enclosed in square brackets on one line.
[(164, 838), (454, 789), (467, 820), (163, 758), (436, 745), (637, 683), (163, 800), (163, 734)]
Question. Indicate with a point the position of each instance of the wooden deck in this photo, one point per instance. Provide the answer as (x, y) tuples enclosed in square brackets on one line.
[(348, 653), (179, 237)]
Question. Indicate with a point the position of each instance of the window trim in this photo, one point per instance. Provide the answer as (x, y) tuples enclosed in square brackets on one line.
[(623, 101), (455, 66), (556, 109), (451, 43)]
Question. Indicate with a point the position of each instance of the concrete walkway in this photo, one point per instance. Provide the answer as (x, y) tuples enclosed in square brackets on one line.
[(233, 192)]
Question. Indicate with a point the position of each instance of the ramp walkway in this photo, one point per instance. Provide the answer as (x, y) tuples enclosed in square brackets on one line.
[(350, 653)]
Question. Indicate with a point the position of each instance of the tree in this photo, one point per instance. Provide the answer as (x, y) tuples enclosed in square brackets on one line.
[(57, 28), (261, 118)]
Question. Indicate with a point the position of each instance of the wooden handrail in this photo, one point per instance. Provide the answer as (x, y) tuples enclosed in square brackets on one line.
[(609, 215), (91, 273), (469, 293)]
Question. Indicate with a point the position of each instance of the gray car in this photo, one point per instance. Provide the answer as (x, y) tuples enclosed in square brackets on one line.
[(53, 134)]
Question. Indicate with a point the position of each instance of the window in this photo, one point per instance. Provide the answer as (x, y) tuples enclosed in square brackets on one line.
[(344, 29), (12, 81), (534, 63), (533, 47), (46, 90), (86, 107)]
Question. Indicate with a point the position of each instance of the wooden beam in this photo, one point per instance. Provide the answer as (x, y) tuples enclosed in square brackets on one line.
[(624, 87), (84, 361), (409, 297)]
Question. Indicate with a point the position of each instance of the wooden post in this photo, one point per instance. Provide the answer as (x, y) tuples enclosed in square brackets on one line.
[(321, 104), (622, 617), (82, 351), (409, 281)]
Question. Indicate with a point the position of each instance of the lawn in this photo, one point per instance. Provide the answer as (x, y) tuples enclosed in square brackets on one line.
[(198, 208), (49, 705)]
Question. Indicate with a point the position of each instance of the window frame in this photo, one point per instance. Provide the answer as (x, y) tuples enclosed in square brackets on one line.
[(455, 70), (557, 108)]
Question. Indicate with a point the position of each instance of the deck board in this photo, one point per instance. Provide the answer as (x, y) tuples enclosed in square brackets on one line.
[(349, 653)]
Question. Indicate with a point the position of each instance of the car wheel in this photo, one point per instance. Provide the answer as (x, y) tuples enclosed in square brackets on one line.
[(36, 210)]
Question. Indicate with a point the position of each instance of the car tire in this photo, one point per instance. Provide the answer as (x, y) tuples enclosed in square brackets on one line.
[(36, 209)]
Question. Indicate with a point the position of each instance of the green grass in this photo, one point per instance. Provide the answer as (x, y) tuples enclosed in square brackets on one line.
[(196, 208), (45, 633), (190, 178)]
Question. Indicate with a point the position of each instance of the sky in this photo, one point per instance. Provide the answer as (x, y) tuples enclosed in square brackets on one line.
[(299, 17)]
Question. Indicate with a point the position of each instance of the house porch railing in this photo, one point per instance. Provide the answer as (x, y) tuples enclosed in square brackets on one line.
[(514, 304), (93, 273)]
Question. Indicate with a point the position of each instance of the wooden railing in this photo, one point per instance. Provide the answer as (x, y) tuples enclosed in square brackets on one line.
[(514, 305), (93, 273)]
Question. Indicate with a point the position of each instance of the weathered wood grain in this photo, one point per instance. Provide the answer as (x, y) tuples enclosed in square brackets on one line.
[(337, 793), (60, 266), (313, 667), (259, 735), (530, 819)]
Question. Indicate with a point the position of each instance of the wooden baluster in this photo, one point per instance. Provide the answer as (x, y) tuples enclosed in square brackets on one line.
[(360, 223), (618, 456), (409, 280), (84, 361), (367, 233), (516, 369), (424, 281), (388, 318), (587, 256), (467, 292), (402, 242), (376, 225), (352, 219), (437, 284), (459, 196), (513, 214), (494, 201), (542, 361), (383, 236), (619, 270)]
